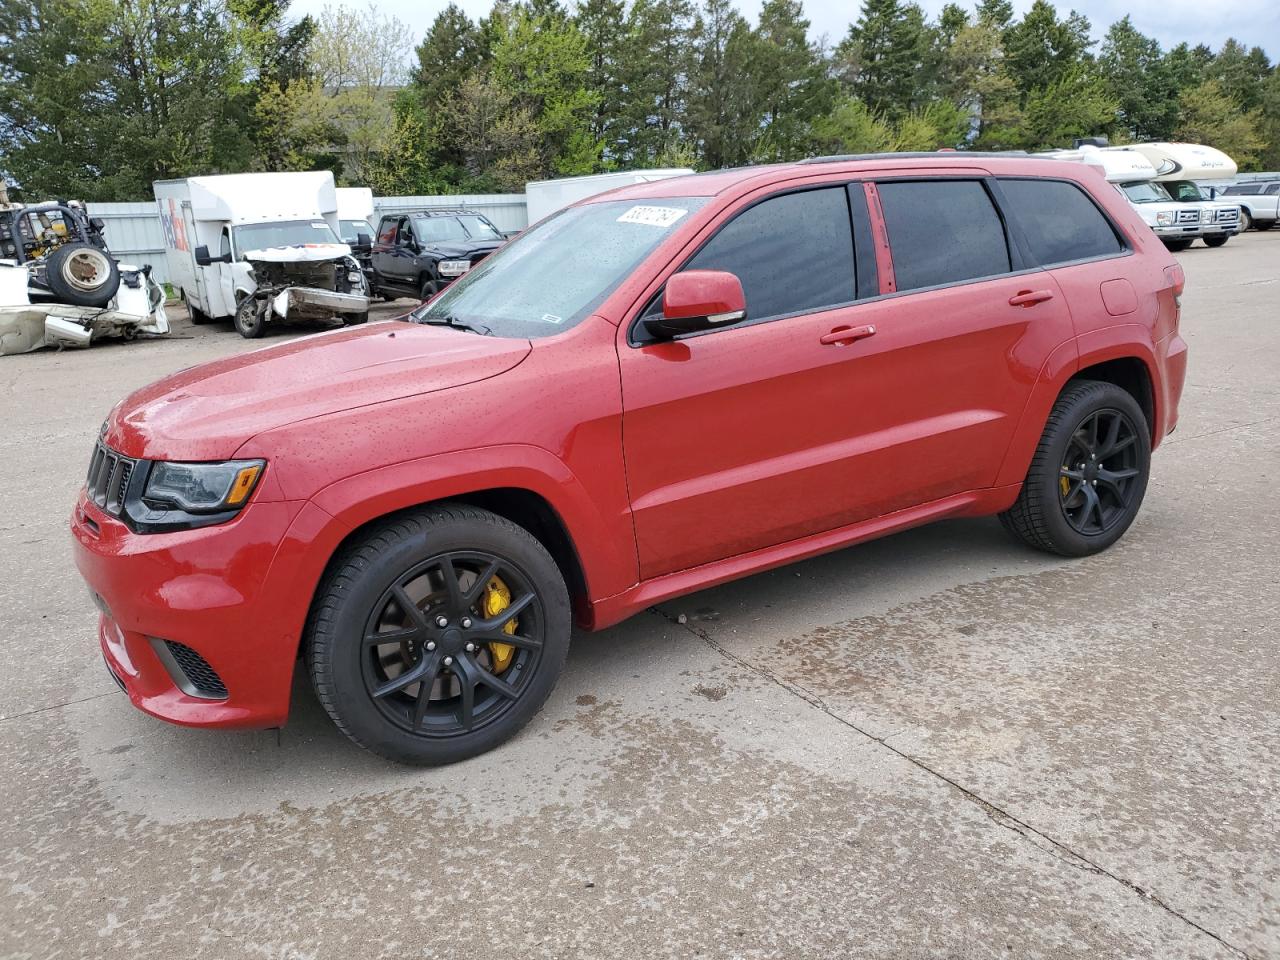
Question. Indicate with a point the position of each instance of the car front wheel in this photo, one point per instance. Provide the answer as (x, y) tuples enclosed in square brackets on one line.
[(439, 634), (1216, 241), (1089, 473)]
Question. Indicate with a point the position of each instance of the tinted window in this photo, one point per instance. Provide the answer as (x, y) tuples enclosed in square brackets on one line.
[(1059, 221), (793, 253), (1242, 190), (942, 231), (1273, 189), (224, 245)]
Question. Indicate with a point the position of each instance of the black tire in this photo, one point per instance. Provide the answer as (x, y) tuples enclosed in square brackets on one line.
[(197, 316), (1175, 246), (1246, 219), (355, 319), (1264, 225), (1216, 241), (429, 289), (404, 556), (250, 318), (83, 275), (1046, 516)]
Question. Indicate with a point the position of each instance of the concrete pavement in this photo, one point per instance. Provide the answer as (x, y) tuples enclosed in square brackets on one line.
[(937, 745)]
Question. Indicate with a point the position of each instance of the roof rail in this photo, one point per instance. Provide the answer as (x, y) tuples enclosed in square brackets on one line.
[(912, 155)]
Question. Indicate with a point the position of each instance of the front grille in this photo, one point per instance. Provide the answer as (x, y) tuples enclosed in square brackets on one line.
[(108, 478), (1229, 215), (1188, 216), (202, 679), (477, 257)]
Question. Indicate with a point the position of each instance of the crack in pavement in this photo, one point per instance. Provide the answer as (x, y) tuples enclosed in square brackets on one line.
[(1000, 817), (57, 706)]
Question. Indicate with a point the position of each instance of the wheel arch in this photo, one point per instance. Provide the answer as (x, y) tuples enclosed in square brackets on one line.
[(1132, 375)]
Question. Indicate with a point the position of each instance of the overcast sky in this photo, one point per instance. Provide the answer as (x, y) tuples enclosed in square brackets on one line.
[(1252, 22)]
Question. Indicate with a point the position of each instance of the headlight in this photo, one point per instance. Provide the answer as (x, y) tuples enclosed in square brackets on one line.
[(203, 487), (354, 276), (453, 268), (1164, 219)]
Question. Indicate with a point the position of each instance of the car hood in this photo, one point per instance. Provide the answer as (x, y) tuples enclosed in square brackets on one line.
[(208, 412), (300, 253), (460, 249)]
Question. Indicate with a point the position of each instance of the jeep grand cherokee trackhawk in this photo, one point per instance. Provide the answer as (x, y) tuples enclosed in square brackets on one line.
[(656, 390)]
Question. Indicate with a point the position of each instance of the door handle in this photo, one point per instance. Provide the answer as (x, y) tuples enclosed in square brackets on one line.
[(840, 336), (1029, 298)]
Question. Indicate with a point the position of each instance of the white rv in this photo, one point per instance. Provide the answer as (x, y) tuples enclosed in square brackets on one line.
[(260, 247), (1179, 168), (1176, 224), (544, 197)]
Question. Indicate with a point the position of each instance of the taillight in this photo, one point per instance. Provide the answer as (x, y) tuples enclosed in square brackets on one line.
[(1177, 279)]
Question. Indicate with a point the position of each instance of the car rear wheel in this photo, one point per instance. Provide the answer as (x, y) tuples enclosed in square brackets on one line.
[(1089, 473), (1177, 245), (1217, 241), (439, 634), (429, 289)]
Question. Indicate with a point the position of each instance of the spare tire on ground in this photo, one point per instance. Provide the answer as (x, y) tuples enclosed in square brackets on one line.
[(82, 275)]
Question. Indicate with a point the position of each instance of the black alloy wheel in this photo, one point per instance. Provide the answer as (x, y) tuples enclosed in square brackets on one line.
[(438, 633), (1088, 475), (436, 664), (1099, 474)]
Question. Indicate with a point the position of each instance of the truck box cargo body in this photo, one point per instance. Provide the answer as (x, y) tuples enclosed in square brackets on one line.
[(259, 247)]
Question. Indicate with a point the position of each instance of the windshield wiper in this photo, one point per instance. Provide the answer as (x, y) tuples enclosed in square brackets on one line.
[(449, 320)]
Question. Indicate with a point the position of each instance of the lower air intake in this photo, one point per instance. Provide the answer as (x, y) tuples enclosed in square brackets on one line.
[(190, 671)]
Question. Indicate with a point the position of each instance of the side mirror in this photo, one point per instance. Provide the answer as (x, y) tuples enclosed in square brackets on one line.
[(202, 256), (409, 243), (363, 243), (98, 223), (698, 300)]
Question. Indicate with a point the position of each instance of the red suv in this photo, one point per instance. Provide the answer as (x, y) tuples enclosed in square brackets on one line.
[(653, 391)]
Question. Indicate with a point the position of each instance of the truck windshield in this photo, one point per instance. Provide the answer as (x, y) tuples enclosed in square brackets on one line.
[(480, 229), (351, 230), (1184, 191), (550, 278), (1144, 191), (289, 233)]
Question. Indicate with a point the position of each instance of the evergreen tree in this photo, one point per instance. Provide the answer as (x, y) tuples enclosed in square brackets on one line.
[(792, 88), (1040, 50), (602, 25), (657, 66), (723, 119), (881, 56), (1140, 80), (1211, 115)]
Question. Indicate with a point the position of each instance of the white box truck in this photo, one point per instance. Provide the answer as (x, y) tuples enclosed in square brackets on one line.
[(260, 247), (544, 197)]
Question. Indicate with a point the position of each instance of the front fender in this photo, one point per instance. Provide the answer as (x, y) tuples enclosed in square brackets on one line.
[(605, 544)]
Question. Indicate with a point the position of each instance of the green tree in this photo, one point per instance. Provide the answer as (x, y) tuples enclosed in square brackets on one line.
[(656, 70), (602, 24), (791, 85), (542, 62), (1040, 50), (977, 82), (722, 116), (451, 51), (1078, 105), (1241, 74), (882, 55), (1138, 77), (1270, 130), (1212, 116)]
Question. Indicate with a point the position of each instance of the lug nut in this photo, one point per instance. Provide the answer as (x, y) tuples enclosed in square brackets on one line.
[(431, 644), (442, 621), (466, 623), (471, 648), (448, 661)]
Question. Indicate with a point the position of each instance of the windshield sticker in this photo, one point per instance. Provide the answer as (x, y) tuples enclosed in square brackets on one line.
[(653, 216), (552, 318)]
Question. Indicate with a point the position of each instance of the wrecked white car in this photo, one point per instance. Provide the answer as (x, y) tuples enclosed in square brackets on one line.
[(60, 286), (307, 281)]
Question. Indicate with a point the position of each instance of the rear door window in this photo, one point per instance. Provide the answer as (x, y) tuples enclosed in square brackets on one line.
[(1059, 221), (942, 231), (793, 253)]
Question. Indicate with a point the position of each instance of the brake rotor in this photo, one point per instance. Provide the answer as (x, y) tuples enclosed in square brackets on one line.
[(497, 597)]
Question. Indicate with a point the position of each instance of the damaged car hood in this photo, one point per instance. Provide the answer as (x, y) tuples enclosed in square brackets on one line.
[(300, 253), (208, 412)]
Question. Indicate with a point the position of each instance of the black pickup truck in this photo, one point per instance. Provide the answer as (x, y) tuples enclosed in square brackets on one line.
[(418, 253)]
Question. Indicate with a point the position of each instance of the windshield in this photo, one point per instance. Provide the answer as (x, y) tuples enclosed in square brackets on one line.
[(1144, 191), (550, 278), (480, 228), (289, 233), (1184, 191), (350, 230)]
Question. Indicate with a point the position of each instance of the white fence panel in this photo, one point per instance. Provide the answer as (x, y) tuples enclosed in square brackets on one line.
[(134, 234)]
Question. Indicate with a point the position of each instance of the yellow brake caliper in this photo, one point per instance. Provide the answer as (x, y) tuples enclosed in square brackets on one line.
[(497, 597)]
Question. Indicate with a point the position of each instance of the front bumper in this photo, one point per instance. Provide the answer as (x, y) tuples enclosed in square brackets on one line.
[(216, 590), (316, 301)]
